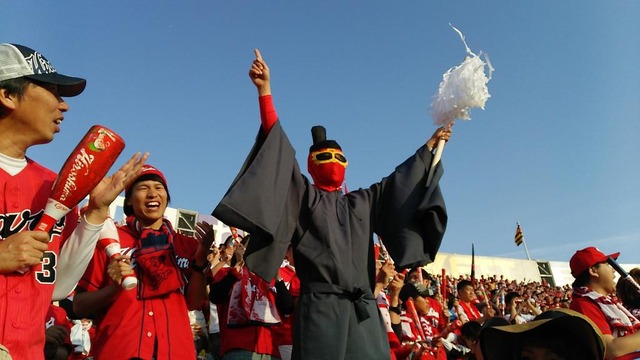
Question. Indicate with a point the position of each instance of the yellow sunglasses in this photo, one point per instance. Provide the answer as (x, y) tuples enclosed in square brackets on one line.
[(327, 156)]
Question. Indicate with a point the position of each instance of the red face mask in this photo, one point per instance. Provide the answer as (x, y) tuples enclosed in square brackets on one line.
[(327, 168)]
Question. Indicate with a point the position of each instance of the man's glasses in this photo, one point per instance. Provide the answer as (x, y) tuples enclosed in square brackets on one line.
[(328, 155)]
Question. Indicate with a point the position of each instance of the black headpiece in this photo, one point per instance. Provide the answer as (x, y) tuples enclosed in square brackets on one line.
[(319, 134)]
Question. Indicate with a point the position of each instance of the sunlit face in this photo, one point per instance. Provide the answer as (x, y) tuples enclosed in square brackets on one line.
[(38, 114), (467, 294), (606, 277), (149, 201), (531, 352)]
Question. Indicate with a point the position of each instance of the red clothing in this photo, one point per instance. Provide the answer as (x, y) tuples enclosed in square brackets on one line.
[(255, 338), (436, 314), (470, 310), (268, 115), (591, 310), (394, 342), (410, 334), (58, 316), (25, 298), (131, 327), (283, 333)]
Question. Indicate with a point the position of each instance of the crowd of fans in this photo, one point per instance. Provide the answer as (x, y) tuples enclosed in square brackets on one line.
[(451, 312), (193, 299), (425, 315)]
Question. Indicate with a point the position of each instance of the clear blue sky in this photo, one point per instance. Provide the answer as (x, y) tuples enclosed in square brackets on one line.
[(556, 148)]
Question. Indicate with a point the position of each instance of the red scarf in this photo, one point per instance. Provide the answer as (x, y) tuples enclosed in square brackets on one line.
[(158, 272), (618, 317), (470, 310), (252, 302)]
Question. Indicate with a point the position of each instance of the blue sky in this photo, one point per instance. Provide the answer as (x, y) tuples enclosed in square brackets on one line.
[(555, 149)]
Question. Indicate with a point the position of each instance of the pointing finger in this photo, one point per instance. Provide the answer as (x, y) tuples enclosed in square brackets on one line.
[(258, 56)]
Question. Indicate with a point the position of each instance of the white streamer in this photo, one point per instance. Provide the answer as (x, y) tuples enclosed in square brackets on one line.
[(462, 88)]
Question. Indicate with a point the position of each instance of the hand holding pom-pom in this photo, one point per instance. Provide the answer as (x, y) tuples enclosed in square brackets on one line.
[(462, 87)]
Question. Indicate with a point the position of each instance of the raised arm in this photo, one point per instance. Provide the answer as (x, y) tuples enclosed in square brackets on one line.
[(197, 287), (78, 249), (261, 78)]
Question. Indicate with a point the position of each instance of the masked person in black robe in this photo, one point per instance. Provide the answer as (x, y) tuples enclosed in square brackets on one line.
[(331, 232)]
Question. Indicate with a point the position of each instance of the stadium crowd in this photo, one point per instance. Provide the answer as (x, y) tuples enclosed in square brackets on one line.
[(309, 282), (451, 312)]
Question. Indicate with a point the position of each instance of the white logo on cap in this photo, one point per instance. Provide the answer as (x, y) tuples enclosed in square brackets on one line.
[(39, 64)]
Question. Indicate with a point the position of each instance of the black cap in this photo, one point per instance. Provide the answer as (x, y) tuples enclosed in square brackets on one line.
[(319, 135), (18, 61)]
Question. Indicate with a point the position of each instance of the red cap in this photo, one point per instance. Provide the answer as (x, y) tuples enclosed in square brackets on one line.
[(150, 170), (586, 258)]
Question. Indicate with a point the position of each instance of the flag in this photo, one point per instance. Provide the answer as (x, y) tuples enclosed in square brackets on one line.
[(473, 266), (519, 237)]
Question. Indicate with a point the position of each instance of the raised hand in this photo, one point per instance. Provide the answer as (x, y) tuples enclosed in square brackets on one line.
[(260, 74), (205, 236), (111, 186), (442, 133)]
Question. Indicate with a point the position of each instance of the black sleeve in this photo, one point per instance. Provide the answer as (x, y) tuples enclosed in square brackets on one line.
[(284, 300), (397, 329), (408, 215), (271, 217), (220, 291)]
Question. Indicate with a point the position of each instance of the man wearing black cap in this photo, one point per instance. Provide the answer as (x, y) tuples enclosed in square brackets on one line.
[(331, 232), (31, 111), (593, 288)]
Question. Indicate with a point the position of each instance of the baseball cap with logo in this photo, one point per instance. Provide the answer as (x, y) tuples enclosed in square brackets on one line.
[(18, 61), (586, 258)]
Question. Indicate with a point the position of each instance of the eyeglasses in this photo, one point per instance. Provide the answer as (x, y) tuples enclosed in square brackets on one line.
[(328, 155)]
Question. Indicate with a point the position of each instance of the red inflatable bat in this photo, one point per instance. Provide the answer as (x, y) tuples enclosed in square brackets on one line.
[(81, 172)]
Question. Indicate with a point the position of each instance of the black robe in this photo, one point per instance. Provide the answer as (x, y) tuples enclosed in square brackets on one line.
[(332, 236)]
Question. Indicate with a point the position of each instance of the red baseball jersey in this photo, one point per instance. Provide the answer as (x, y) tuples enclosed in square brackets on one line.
[(129, 327), (25, 298), (58, 316)]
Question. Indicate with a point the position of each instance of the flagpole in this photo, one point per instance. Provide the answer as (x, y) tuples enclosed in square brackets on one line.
[(473, 265), (520, 236), (526, 249)]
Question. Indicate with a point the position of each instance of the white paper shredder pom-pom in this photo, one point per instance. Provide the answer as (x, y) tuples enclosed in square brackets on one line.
[(462, 87)]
